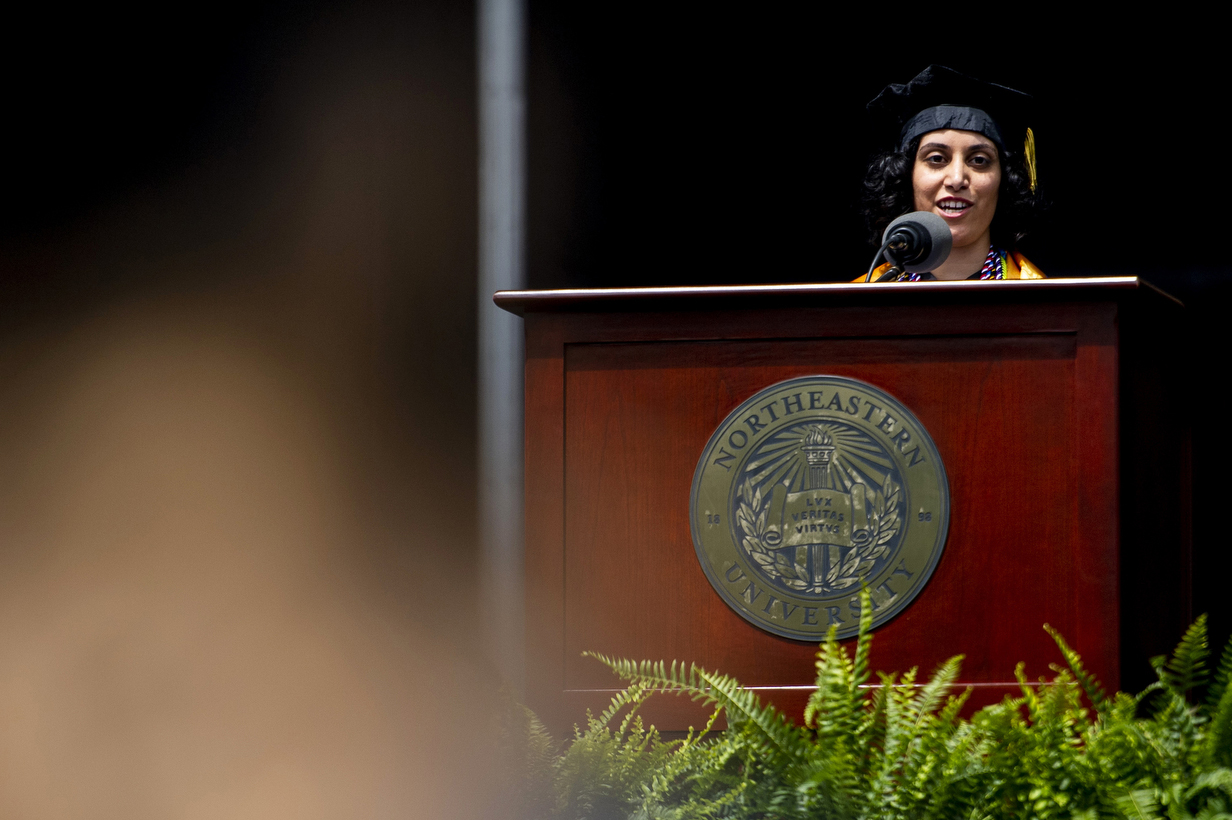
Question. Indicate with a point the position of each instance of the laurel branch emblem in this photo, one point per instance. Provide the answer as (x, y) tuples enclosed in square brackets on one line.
[(763, 543), (809, 488)]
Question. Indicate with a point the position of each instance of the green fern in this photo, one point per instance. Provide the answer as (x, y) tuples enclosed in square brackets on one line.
[(1090, 685), (1139, 805), (897, 750), (1186, 668), (741, 705), (1219, 682)]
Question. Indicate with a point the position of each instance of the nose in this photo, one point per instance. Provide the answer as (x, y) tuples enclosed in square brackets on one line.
[(956, 175)]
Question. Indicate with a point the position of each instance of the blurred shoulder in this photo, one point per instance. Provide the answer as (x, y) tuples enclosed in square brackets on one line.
[(1019, 267), (1016, 266), (878, 272)]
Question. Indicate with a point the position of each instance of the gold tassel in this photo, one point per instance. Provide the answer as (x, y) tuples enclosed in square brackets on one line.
[(1029, 150)]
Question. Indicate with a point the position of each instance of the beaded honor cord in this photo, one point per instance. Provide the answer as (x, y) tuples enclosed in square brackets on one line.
[(994, 268)]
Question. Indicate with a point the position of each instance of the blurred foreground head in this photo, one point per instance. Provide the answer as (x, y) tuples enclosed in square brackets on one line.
[(236, 415)]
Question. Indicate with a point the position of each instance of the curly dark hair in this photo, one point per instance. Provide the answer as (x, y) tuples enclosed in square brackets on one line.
[(888, 194)]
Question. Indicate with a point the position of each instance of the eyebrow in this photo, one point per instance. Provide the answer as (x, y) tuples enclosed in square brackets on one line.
[(940, 146)]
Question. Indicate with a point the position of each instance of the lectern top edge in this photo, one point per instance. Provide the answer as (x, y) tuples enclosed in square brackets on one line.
[(522, 302)]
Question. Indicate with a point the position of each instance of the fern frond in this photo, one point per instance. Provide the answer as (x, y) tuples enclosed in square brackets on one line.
[(1218, 780), (1187, 666), (1089, 683), (832, 707), (872, 730), (860, 669), (1223, 674), (1029, 695), (633, 696), (1141, 804), (1217, 746), (954, 704), (938, 686), (741, 705)]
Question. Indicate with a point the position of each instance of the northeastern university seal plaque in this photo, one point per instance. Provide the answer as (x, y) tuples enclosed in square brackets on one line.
[(810, 488)]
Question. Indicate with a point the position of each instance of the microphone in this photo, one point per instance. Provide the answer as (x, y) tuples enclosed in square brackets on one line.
[(916, 242)]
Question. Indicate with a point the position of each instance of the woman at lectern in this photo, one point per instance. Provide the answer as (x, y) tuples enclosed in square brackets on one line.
[(959, 148)]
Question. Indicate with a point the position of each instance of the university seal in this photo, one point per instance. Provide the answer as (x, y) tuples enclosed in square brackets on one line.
[(809, 489)]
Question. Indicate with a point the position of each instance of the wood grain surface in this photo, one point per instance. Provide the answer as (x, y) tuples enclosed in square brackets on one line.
[(1021, 400)]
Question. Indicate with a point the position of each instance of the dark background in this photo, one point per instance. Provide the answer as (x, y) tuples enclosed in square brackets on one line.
[(305, 174), (672, 148), (669, 148)]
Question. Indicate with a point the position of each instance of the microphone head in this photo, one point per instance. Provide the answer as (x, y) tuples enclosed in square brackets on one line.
[(927, 240)]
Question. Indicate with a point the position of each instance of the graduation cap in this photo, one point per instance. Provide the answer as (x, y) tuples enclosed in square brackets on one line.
[(939, 97)]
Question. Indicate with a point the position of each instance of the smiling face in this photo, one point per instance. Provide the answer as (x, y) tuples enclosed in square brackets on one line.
[(956, 176)]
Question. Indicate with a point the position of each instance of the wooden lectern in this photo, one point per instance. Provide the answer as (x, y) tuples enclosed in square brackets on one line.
[(1054, 404)]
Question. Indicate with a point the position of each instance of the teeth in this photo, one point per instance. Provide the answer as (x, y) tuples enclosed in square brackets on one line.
[(954, 206)]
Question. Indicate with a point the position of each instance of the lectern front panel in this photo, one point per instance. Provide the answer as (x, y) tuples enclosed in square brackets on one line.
[(1018, 387), (1000, 409)]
